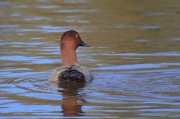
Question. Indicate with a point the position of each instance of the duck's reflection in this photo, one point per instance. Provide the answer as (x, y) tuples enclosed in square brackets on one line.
[(70, 106)]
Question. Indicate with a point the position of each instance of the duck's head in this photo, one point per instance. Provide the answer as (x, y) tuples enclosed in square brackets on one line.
[(71, 40)]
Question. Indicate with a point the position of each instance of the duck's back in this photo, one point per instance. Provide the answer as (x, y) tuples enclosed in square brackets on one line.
[(74, 73)]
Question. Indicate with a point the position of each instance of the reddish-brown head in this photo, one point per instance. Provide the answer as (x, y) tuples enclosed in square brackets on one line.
[(70, 41)]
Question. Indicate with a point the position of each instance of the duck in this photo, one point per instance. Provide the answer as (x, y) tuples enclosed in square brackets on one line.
[(71, 71)]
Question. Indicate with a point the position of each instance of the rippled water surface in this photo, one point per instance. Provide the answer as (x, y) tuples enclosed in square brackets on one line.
[(135, 58)]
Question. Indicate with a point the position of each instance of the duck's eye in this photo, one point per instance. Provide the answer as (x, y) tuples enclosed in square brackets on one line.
[(77, 35)]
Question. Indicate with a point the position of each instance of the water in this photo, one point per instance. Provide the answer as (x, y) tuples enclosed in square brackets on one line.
[(135, 59)]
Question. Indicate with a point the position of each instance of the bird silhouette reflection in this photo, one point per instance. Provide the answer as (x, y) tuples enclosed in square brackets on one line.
[(71, 97)]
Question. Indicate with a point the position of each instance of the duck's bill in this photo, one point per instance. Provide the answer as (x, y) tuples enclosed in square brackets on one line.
[(82, 43)]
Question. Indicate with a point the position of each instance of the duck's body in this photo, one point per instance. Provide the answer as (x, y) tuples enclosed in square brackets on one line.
[(71, 71), (75, 73)]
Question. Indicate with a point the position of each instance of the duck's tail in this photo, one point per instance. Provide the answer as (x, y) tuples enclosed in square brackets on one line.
[(71, 75)]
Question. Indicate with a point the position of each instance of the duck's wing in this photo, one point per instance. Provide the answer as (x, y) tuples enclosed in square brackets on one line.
[(55, 73)]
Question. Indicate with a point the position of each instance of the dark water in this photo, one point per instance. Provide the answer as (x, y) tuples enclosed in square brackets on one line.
[(135, 58)]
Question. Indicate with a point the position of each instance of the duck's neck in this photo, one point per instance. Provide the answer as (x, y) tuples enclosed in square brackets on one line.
[(68, 57)]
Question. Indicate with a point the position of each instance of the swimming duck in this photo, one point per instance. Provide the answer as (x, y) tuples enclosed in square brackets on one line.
[(71, 71)]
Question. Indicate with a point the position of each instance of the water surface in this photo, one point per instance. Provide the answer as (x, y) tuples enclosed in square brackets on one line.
[(135, 58)]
